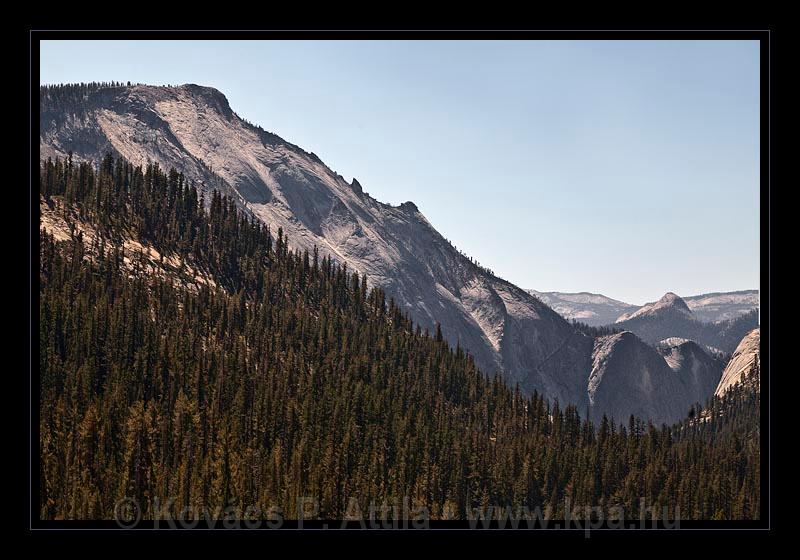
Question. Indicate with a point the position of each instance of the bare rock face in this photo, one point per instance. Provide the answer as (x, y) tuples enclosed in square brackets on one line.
[(747, 354), (699, 373), (666, 383), (656, 389), (613, 391), (193, 129)]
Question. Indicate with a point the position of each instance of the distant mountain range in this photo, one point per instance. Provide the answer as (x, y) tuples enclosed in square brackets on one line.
[(722, 306), (588, 308), (597, 309)]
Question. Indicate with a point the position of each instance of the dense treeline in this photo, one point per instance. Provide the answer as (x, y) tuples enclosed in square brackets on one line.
[(290, 379), (596, 331), (57, 101)]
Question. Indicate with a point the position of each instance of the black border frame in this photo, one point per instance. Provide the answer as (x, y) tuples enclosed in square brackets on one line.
[(762, 35)]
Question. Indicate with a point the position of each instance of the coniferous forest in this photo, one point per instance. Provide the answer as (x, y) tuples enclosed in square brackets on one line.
[(253, 375)]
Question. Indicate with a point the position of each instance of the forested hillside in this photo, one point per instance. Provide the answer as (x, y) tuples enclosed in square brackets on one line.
[(282, 376)]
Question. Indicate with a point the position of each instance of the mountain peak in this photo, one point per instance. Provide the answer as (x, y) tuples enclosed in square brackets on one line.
[(671, 298), (146, 96), (673, 301), (409, 206), (668, 303), (211, 96), (356, 186)]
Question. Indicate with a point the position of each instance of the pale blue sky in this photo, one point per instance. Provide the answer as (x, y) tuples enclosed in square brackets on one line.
[(626, 168)]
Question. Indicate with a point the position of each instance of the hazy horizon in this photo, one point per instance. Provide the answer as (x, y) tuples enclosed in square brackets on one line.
[(623, 168)]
